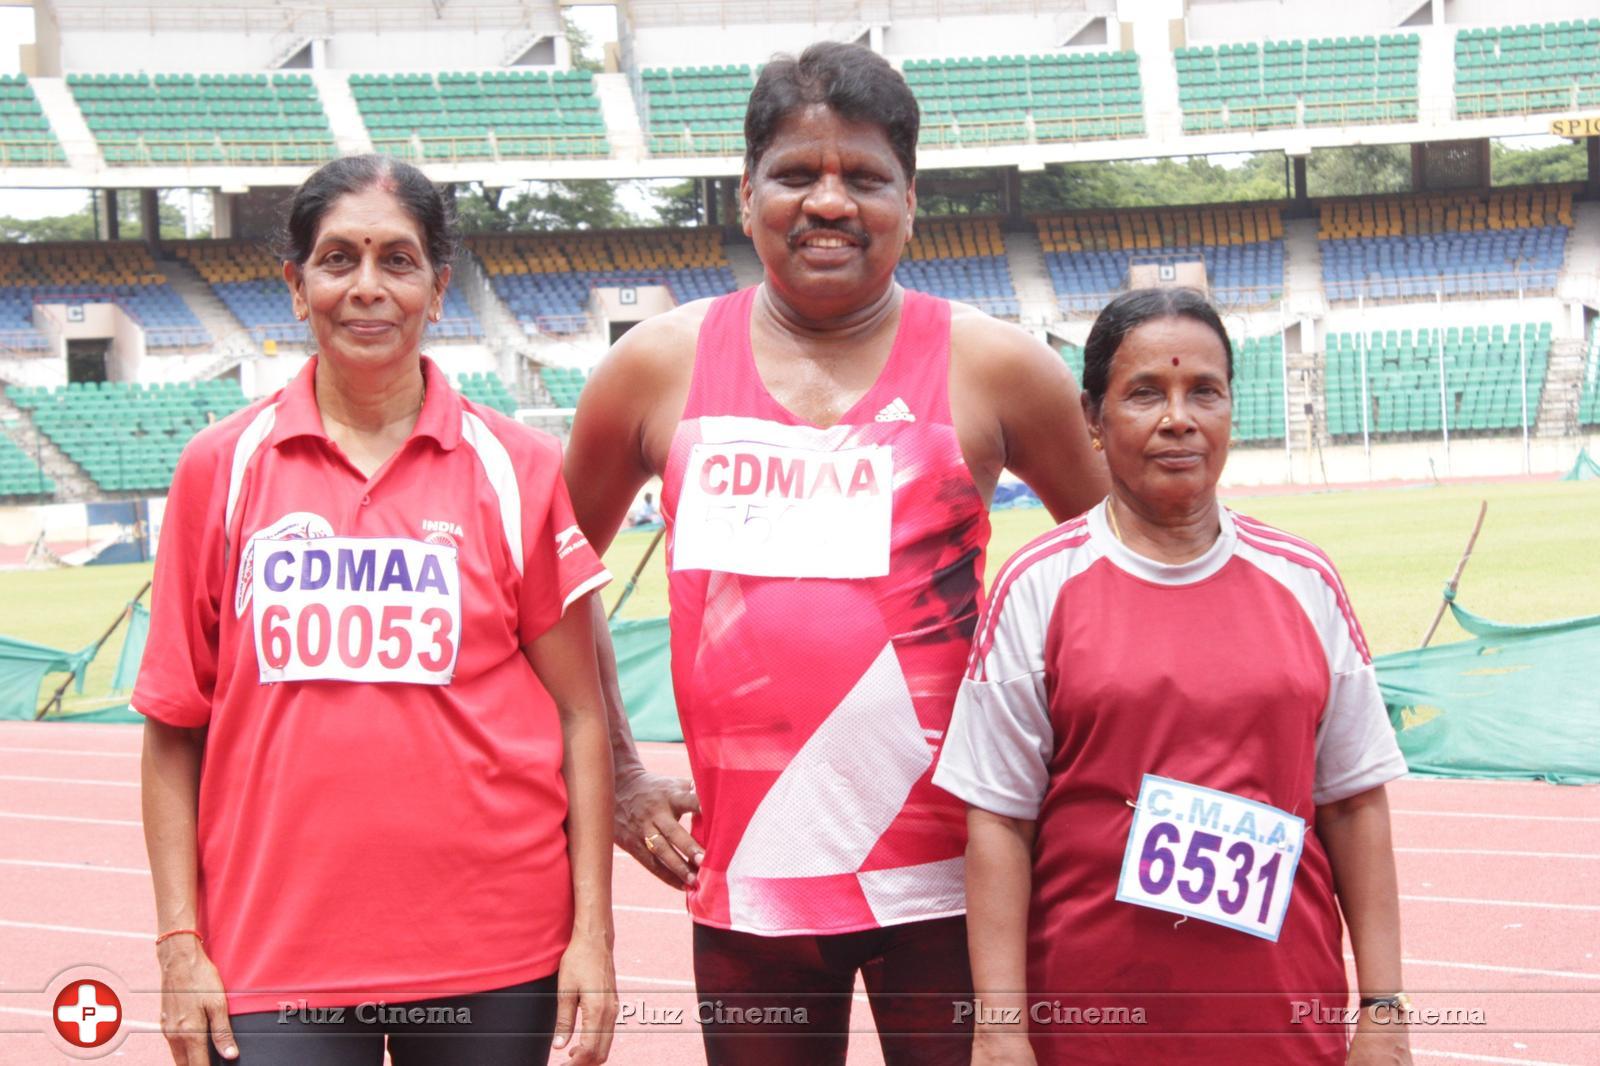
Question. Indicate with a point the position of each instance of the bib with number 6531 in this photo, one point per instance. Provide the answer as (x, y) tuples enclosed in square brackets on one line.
[(1211, 855), (356, 609)]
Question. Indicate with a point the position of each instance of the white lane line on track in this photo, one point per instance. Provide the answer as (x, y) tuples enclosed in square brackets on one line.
[(1498, 854), (1495, 817), (131, 1023), (7, 923), (1487, 967), (1530, 904), (71, 751), (670, 982), (677, 912), (143, 871), (74, 819), (69, 781), (1462, 1056)]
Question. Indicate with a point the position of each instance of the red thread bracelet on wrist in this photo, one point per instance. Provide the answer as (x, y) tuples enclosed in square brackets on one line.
[(164, 937)]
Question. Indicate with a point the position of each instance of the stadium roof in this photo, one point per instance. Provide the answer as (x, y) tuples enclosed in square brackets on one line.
[(646, 13), (308, 16)]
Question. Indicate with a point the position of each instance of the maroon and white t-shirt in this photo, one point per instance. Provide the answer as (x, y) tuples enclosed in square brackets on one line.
[(1242, 672)]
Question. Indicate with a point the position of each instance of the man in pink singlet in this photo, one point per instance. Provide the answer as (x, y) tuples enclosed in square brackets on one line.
[(828, 444)]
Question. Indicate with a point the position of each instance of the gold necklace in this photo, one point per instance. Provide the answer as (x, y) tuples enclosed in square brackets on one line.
[(1111, 517)]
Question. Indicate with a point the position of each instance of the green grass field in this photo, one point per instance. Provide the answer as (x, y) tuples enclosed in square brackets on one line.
[(1536, 559)]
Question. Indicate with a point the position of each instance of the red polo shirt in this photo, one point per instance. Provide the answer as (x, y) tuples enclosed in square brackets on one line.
[(381, 803)]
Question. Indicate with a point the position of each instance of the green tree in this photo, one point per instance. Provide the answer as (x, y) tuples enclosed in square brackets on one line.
[(543, 205), (1154, 183), (581, 47), (1361, 170), (75, 227), (1537, 166), (676, 204)]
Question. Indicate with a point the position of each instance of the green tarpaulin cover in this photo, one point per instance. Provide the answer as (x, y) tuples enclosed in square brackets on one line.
[(643, 667), (1515, 701), (1584, 469), (132, 650), (644, 670), (22, 668)]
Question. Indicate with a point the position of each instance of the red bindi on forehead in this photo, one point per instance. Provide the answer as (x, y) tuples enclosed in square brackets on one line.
[(1174, 360), (369, 241)]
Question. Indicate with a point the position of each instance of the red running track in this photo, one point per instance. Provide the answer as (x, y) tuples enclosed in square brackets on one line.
[(1497, 879)]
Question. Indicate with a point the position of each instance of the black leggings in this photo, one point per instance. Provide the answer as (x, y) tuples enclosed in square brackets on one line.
[(508, 1027), (785, 1001)]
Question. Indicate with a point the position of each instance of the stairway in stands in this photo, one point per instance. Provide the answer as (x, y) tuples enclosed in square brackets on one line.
[(1035, 294), (747, 269), (207, 307), (72, 484)]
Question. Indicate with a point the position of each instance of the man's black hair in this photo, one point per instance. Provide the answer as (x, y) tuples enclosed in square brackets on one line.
[(855, 82)]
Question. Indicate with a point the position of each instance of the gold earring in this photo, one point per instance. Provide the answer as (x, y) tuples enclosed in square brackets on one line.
[(1097, 445)]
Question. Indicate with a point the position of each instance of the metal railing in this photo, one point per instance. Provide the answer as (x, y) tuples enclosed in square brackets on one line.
[(1232, 119), (1447, 286), (212, 151), (32, 153), (481, 148), (1474, 105)]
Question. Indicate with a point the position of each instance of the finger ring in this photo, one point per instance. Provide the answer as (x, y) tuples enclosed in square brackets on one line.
[(650, 842)]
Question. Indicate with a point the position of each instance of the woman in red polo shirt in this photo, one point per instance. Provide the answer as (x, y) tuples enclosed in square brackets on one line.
[(376, 776)]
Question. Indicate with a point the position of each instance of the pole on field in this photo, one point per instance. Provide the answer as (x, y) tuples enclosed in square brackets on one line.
[(633, 580), (55, 699), (1366, 400), (1455, 578)]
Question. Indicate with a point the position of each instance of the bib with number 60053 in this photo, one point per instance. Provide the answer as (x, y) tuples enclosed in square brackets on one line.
[(1211, 855), (356, 609)]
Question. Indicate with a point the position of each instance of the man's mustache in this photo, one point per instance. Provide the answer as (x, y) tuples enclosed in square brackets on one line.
[(849, 231)]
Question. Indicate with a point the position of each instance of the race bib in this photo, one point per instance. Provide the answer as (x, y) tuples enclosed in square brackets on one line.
[(1211, 855), (356, 609), (774, 511)]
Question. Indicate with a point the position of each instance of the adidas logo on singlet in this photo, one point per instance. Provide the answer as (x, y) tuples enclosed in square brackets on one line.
[(896, 411)]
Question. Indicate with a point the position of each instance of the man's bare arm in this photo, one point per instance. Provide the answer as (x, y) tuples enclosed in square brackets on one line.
[(634, 396), (1017, 383)]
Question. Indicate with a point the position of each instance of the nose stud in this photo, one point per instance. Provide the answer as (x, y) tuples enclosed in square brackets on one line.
[(1166, 420)]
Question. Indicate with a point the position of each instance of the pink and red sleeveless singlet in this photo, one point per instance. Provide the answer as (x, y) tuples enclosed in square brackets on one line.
[(825, 584)]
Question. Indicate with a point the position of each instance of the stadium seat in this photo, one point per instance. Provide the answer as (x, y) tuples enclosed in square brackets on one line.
[(1519, 69), (101, 272), (961, 259), (1589, 390), (1482, 379), (1318, 82), (248, 279), (1088, 254), (468, 115), (487, 389), (969, 102), (127, 436), (20, 476), (1468, 245), (205, 119), (545, 279), (695, 110), (26, 139)]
